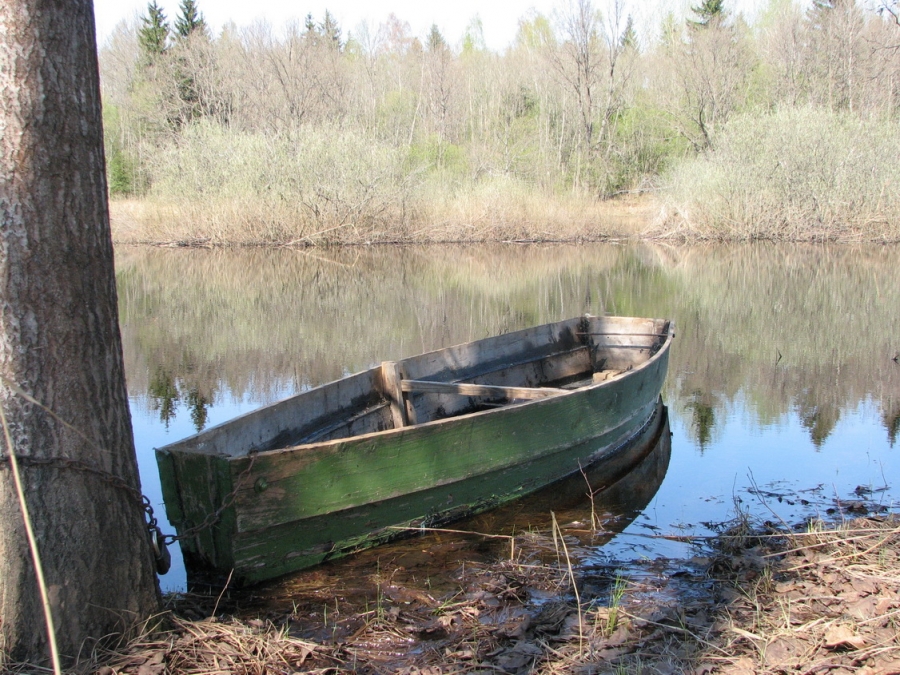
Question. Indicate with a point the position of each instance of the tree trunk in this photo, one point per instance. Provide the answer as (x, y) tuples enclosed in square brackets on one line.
[(60, 344)]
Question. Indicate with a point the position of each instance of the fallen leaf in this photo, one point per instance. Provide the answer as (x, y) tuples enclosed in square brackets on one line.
[(610, 654), (460, 654), (864, 608), (842, 636), (447, 620), (667, 668), (847, 596), (884, 604), (742, 666), (525, 647), (864, 586), (890, 668), (151, 669), (514, 662), (783, 653)]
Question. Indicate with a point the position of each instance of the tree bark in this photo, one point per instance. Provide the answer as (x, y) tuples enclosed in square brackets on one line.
[(60, 343)]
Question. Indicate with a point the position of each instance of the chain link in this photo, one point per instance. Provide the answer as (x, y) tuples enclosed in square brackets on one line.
[(84, 467)]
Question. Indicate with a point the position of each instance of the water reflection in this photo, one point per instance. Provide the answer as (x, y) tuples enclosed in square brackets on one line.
[(164, 393), (781, 350)]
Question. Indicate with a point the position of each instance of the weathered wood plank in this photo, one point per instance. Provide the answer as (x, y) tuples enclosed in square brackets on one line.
[(467, 361), (529, 372), (376, 418), (390, 389), (287, 422), (466, 389), (619, 342), (194, 486)]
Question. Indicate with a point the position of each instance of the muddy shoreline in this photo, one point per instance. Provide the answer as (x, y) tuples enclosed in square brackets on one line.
[(820, 597)]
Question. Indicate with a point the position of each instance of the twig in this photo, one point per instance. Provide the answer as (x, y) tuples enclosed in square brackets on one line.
[(224, 588), (32, 544), (440, 529), (571, 578)]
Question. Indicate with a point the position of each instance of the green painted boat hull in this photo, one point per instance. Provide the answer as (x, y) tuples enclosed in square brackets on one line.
[(258, 515)]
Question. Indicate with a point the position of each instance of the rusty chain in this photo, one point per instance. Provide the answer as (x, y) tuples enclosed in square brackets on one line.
[(111, 479), (158, 540)]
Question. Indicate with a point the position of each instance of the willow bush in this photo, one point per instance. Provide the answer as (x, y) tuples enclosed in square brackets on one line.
[(799, 173), (252, 187)]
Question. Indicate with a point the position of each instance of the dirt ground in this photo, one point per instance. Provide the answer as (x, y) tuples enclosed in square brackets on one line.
[(757, 598)]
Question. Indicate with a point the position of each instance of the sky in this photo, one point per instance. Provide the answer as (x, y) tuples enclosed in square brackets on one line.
[(499, 18)]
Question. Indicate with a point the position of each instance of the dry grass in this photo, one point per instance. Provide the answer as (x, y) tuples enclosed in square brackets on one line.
[(825, 600), (491, 212), (215, 646)]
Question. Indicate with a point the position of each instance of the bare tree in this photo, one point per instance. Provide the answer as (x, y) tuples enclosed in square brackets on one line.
[(578, 61), (439, 85), (782, 46), (588, 59), (707, 77), (837, 52), (60, 346)]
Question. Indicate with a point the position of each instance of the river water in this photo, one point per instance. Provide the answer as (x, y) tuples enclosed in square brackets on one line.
[(783, 390)]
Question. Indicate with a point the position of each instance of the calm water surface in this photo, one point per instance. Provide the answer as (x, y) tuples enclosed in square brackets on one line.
[(783, 388)]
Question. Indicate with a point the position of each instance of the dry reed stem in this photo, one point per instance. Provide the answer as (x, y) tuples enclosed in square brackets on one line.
[(32, 545)]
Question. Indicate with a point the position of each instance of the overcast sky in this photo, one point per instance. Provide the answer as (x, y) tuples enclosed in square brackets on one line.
[(500, 19)]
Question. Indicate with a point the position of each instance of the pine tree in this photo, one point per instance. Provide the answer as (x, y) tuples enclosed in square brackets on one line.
[(709, 13), (435, 41), (153, 36), (629, 39), (189, 20), (330, 31)]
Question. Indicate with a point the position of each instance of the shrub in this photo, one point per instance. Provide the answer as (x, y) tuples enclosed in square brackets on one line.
[(295, 185), (793, 174)]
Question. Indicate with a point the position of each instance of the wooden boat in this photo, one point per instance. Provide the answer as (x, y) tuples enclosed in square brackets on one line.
[(412, 443)]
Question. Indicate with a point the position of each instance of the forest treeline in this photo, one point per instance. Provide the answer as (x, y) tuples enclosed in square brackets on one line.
[(787, 127)]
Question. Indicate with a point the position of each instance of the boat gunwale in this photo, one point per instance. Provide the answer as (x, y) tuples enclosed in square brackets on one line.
[(667, 332), (669, 336)]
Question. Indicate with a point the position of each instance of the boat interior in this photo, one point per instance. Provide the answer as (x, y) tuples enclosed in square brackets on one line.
[(535, 363)]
